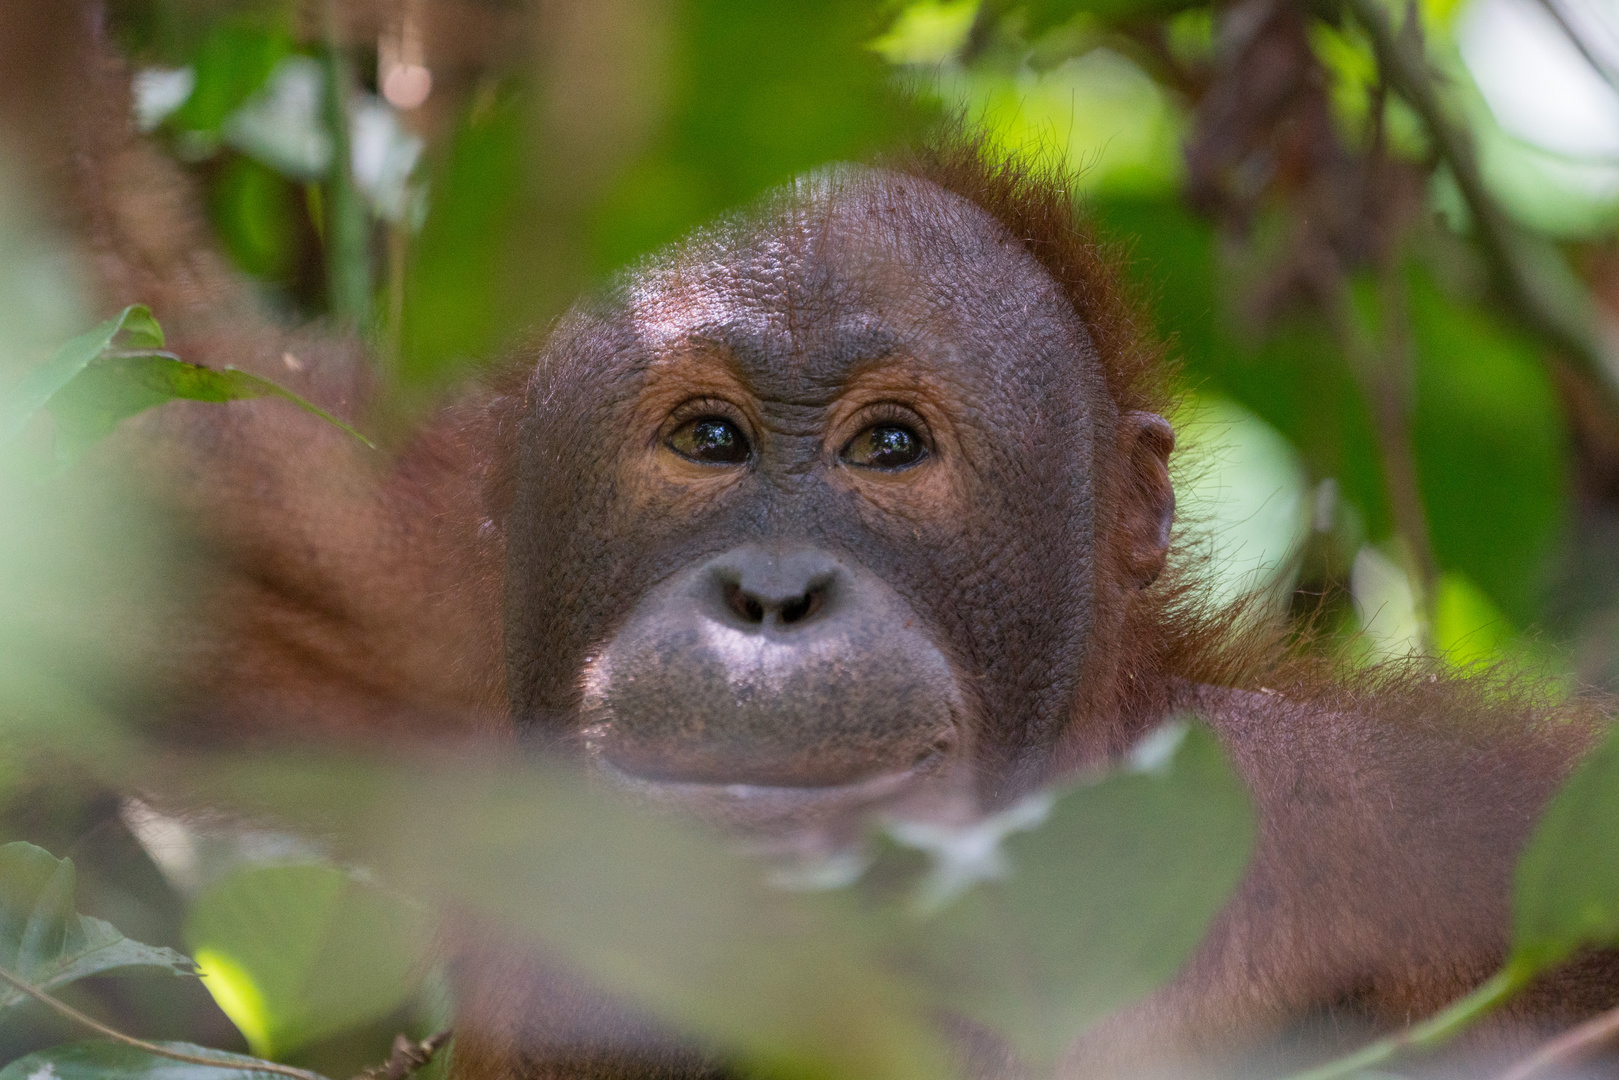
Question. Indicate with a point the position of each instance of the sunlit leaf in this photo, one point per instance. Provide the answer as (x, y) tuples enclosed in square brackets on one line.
[(1467, 627), (1117, 129), (1391, 622), (45, 942), (1566, 890), (157, 92), (293, 953), (102, 1060), (927, 32)]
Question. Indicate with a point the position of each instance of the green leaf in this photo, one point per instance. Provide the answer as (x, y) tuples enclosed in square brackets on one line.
[(1566, 891), (1467, 628), (1098, 904), (139, 331), (232, 64), (43, 941), (89, 387), (757, 94), (296, 953), (1488, 419), (452, 301), (1104, 903), (103, 1060), (927, 32), (1042, 15), (113, 388), (255, 211), (1121, 129), (645, 906)]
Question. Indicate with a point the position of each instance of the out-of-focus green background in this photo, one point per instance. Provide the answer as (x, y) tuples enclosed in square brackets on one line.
[(1379, 237), (1381, 417)]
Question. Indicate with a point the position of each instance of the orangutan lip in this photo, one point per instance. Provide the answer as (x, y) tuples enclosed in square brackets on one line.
[(761, 802), (868, 789)]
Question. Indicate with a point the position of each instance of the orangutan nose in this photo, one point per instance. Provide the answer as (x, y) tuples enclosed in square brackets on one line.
[(756, 588), (771, 666)]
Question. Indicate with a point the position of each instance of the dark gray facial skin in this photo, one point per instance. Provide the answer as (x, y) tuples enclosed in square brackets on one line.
[(794, 628)]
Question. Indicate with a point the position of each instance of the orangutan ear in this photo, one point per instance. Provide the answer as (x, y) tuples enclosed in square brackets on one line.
[(1148, 500)]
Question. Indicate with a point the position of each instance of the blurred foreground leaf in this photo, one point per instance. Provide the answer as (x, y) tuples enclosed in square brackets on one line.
[(294, 953), (1566, 893), (1102, 903), (1099, 904), (668, 916), (673, 920), (99, 1060), (133, 329), (46, 943), (89, 388)]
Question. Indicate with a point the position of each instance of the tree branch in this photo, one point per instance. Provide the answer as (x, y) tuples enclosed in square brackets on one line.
[(1569, 1048), (64, 1009), (1536, 278), (407, 1057)]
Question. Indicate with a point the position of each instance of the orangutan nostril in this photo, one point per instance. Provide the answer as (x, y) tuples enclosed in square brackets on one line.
[(747, 607), (757, 605), (802, 607)]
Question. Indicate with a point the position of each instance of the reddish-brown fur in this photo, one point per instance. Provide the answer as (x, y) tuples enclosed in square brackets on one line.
[(354, 594)]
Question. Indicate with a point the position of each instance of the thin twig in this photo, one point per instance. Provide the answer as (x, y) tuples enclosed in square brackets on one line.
[(1570, 1047), (1383, 372), (115, 1035), (1560, 310), (1432, 1032), (407, 1057), (348, 224)]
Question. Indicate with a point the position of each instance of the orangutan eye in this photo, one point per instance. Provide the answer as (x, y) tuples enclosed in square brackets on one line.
[(885, 446), (712, 440)]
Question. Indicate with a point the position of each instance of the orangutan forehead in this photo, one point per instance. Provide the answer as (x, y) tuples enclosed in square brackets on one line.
[(867, 255)]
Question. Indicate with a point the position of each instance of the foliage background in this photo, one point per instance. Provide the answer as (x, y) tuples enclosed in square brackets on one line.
[(1393, 295), (1377, 414)]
